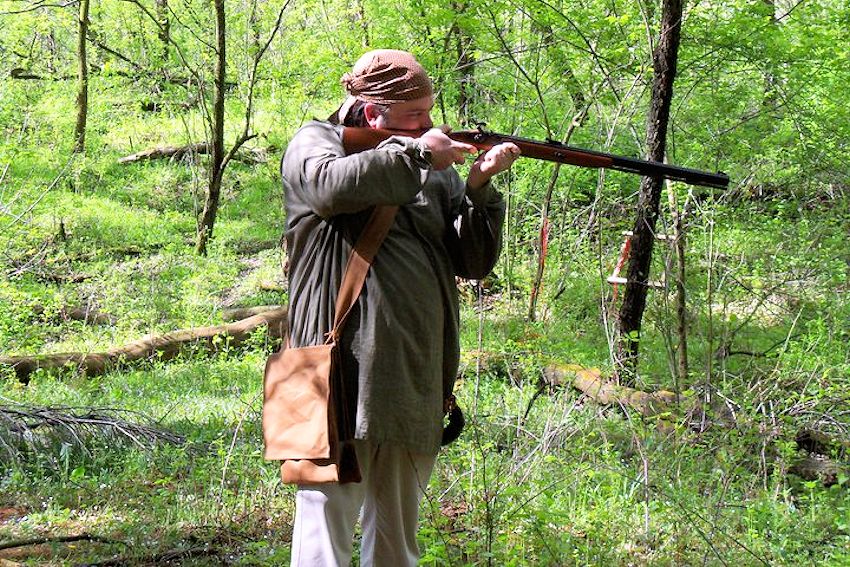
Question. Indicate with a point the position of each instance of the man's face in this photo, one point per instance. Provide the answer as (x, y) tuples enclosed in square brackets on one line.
[(408, 115)]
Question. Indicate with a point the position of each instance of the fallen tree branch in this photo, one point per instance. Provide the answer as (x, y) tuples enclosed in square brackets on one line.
[(163, 347), (176, 153), (814, 464), (27, 429), (164, 558), (14, 544)]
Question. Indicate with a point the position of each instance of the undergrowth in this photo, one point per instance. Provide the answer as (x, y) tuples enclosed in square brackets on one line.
[(541, 476)]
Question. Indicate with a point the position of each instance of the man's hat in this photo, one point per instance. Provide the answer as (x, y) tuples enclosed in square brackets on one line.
[(385, 76)]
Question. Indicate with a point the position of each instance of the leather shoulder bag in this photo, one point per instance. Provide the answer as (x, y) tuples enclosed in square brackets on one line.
[(306, 424)]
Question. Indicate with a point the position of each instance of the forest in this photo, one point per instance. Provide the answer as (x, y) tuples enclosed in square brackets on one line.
[(655, 373)]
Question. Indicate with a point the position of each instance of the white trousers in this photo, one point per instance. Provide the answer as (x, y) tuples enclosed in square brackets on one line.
[(394, 480)]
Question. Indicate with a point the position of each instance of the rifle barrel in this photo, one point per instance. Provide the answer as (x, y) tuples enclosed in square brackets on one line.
[(562, 153), (360, 139)]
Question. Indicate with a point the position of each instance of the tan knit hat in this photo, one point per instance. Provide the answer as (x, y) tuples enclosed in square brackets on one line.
[(385, 76)]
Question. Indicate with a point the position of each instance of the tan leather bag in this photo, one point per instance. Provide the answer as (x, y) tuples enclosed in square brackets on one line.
[(304, 401)]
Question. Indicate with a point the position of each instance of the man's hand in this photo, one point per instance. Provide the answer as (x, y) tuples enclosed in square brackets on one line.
[(444, 150), (496, 160)]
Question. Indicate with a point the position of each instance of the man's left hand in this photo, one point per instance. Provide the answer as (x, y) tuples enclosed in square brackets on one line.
[(496, 160)]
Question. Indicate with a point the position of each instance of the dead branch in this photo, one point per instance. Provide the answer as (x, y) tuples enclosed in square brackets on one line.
[(163, 347), (164, 558), (13, 544), (25, 428), (175, 153)]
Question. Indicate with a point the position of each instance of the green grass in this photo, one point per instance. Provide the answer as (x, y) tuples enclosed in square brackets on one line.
[(549, 479)]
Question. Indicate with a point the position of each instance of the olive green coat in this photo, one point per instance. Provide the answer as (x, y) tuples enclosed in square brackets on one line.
[(400, 344)]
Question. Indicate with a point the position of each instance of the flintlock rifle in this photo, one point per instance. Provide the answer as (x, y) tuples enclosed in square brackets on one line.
[(360, 139)]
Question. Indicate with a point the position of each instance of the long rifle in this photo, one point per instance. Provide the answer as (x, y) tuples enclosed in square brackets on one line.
[(360, 139)]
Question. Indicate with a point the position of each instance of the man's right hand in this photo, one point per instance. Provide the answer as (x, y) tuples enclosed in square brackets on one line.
[(444, 150)]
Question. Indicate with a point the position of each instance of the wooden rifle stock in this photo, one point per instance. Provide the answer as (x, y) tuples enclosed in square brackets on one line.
[(360, 139)]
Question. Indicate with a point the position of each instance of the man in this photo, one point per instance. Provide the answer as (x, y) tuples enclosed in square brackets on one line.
[(399, 347)]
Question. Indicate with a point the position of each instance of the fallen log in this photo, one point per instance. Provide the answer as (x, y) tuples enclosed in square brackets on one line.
[(239, 313), (164, 347), (819, 467), (176, 153), (12, 544), (271, 286), (590, 382), (813, 463), (167, 152), (86, 314), (172, 557)]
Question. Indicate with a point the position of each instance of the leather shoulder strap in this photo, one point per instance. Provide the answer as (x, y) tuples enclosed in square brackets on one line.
[(359, 261)]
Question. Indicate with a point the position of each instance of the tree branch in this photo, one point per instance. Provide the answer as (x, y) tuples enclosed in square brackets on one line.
[(164, 347), (13, 544)]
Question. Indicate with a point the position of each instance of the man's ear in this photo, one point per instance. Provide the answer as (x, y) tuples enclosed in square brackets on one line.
[(371, 112)]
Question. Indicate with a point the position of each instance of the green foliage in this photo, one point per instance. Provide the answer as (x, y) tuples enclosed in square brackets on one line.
[(542, 475)]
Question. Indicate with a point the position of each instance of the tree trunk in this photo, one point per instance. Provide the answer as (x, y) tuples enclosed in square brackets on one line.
[(664, 58), (207, 222), (466, 68), (83, 80), (681, 297), (164, 27), (361, 19)]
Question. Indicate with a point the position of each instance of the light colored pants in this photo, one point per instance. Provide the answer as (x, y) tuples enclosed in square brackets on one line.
[(394, 480)]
